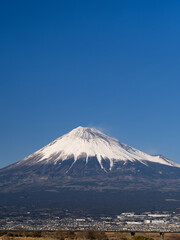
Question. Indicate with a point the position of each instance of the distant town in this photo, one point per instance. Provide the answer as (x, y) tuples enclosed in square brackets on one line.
[(47, 219)]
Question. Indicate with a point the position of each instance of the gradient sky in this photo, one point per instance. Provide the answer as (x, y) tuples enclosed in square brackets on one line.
[(114, 65)]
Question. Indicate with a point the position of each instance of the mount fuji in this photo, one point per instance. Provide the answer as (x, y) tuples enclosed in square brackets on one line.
[(87, 158), (88, 171)]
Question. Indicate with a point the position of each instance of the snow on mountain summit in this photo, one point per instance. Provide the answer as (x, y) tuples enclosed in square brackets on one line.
[(90, 142)]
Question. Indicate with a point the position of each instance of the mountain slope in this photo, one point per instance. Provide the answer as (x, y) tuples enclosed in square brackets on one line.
[(87, 157), (90, 142)]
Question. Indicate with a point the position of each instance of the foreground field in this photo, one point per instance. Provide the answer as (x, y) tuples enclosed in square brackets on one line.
[(83, 235)]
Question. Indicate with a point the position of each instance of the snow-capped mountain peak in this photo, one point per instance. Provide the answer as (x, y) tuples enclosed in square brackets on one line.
[(90, 142)]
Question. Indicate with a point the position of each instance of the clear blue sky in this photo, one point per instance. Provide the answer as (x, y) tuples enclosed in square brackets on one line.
[(110, 64)]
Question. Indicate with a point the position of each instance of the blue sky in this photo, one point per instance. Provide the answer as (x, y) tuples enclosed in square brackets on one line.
[(114, 65)]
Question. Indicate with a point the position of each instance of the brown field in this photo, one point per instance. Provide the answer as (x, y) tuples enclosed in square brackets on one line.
[(83, 235)]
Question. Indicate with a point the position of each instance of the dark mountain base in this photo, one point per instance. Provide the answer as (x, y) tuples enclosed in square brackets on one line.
[(91, 202), (87, 189), (80, 176)]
